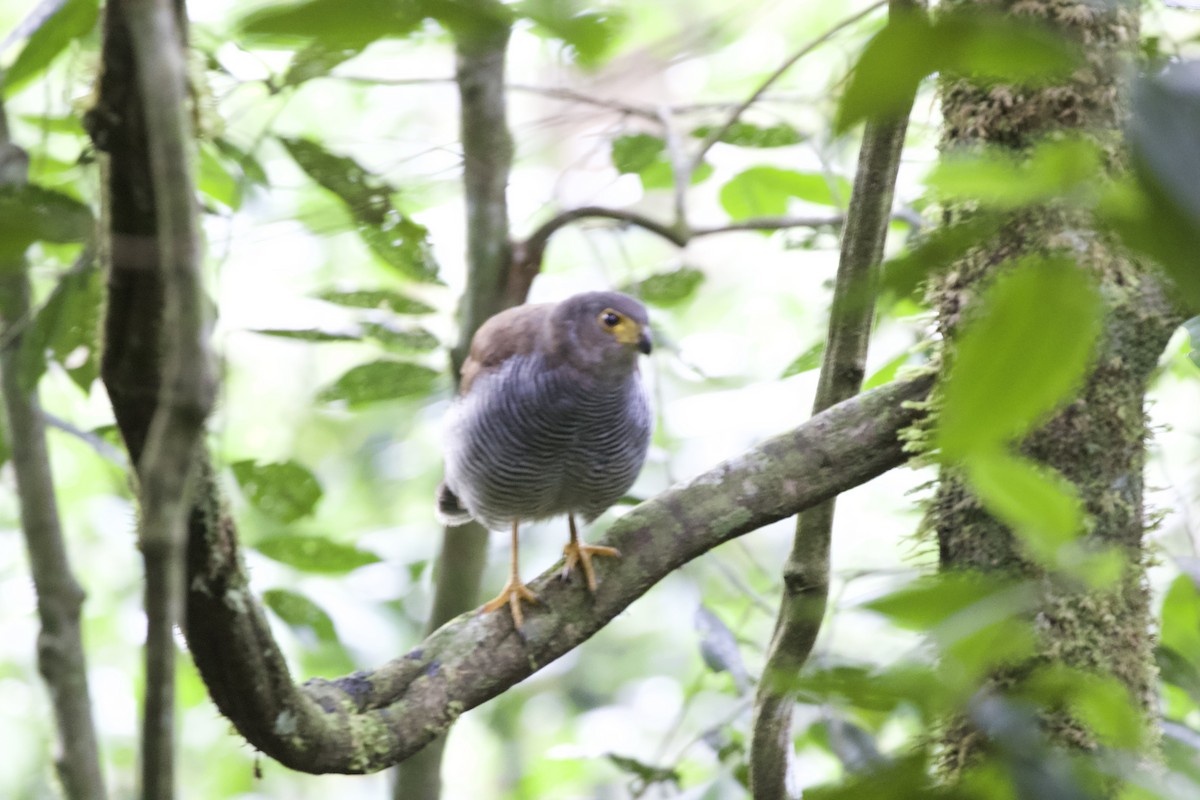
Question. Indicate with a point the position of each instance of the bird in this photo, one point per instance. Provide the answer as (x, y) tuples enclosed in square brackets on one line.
[(551, 418)]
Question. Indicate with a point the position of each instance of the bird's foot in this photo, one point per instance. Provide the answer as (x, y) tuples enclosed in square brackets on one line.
[(511, 595), (579, 553)]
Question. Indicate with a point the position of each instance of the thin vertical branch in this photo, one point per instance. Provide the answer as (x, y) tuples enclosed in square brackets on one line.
[(186, 395), (487, 161), (806, 571), (61, 658)]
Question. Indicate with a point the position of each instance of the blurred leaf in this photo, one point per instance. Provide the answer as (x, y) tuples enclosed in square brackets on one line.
[(391, 235), (1151, 223), (377, 299), (719, 648), (645, 773), (808, 360), (1180, 628), (886, 373), (981, 45), (1162, 132), (873, 689), (69, 125), (634, 152), (1024, 353), (852, 744), (935, 251), (74, 19), (659, 175), (588, 33), (380, 380), (667, 289), (328, 22), (401, 339), (308, 334), (286, 491), (1000, 179), (1192, 326), (1101, 702), (315, 554), (251, 169), (66, 327), (765, 191), (215, 181), (1040, 506), (316, 60), (1177, 669), (31, 213), (904, 779), (929, 601), (301, 613), (745, 134)]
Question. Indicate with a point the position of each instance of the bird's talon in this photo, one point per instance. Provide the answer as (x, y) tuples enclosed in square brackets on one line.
[(581, 554), (511, 595)]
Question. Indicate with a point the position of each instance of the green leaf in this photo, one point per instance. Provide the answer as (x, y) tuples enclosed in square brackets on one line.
[(316, 60), (746, 134), (74, 19), (315, 554), (660, 175), (1180, 629), (308, 334), (217, 182), (31, 213), (394, 237), (930, 601), (999, 179), (301, 613), (1022, 356), (327, 21), (401, 339), (1101, 702), (935, 251), (589, 34), (380, 380), (636, 152), (286, 491), (646, 774), (66, 329), (983, 45), (765, 191), (808, 360), (886, 373), (667, 289), (1040, 506), (377, 299), (251, 169)]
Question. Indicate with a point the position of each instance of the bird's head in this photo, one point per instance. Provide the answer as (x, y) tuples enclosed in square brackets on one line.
[(602, 328)]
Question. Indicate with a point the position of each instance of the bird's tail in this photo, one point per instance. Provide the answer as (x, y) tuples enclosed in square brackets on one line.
[(449, 510)]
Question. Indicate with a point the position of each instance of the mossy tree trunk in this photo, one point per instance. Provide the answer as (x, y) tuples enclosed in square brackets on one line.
[(1098, 441)]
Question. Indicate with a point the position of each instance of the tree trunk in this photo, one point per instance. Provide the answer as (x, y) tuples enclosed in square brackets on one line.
[(1097, 441)]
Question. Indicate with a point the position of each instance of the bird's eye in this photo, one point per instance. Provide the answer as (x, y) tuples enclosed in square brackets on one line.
[(610, 319)]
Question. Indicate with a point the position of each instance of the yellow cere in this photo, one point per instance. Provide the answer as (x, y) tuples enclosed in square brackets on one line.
[(625, 330)]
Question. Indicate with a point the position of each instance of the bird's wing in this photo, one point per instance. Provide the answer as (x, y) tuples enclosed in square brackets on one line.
[(515, 331)]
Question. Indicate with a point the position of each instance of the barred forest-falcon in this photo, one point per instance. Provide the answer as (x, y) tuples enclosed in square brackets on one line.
[(552, 418)]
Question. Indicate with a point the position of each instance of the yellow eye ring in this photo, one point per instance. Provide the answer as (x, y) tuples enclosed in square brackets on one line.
[(610, 319)]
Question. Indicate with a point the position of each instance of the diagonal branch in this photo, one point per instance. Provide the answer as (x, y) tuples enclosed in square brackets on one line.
[(371, 720)]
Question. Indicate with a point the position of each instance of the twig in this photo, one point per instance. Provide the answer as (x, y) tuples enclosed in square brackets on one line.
[(97, 443), (806, 571), (61, 658), (188, 387), (715, 135)]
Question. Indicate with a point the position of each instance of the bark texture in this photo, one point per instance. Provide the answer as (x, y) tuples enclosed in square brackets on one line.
[(1098, 440)]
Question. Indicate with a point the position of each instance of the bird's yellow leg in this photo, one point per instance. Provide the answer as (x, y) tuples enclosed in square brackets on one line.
[(579, 553), (514, 591)]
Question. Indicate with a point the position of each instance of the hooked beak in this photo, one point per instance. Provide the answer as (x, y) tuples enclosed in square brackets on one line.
[(643, 342)]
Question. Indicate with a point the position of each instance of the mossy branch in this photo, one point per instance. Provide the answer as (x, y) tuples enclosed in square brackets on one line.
[(371, 720)]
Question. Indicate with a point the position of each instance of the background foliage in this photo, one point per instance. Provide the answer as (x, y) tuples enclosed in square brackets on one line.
[(329, 170)]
